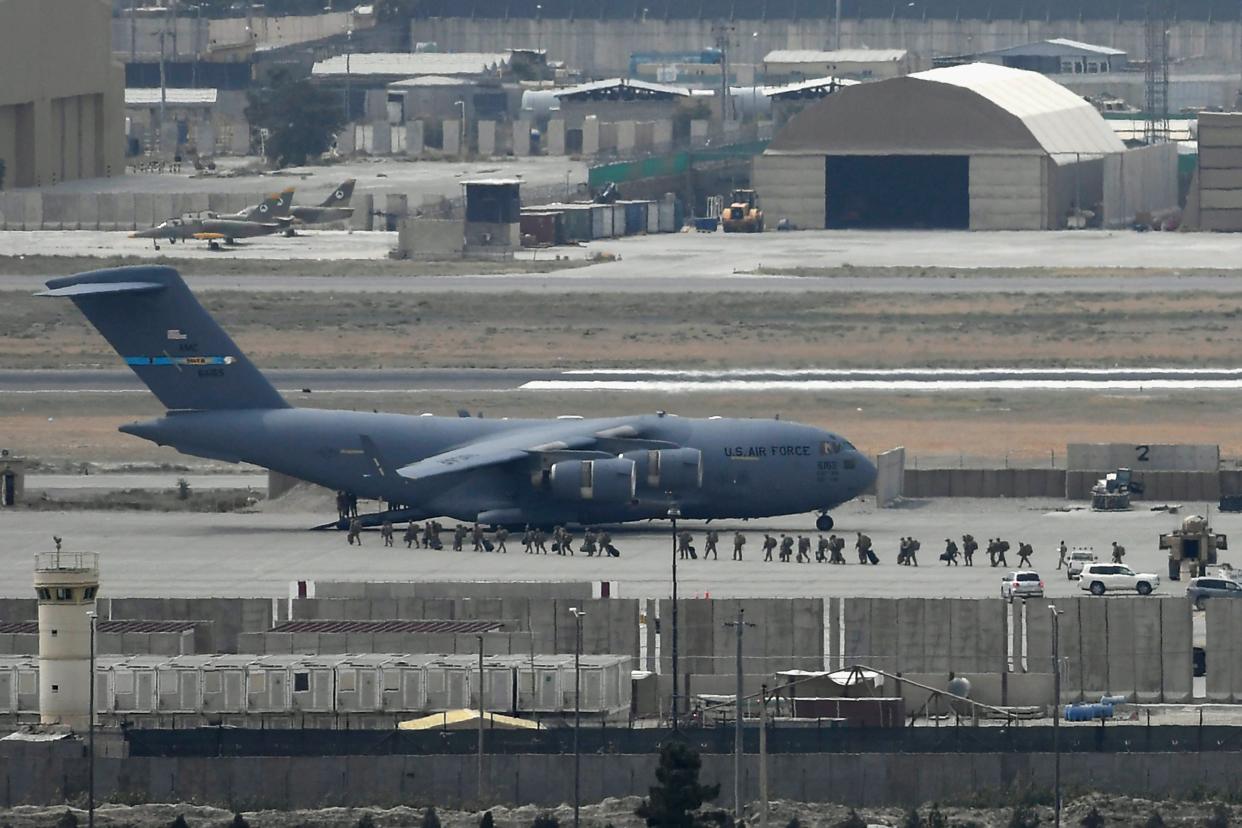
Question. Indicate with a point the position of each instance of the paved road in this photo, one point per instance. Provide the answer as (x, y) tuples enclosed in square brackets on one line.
[(400, 380), (150, 554), (710, 263)]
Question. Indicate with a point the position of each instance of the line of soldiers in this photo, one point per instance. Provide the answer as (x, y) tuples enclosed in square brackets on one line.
[(598, 542)]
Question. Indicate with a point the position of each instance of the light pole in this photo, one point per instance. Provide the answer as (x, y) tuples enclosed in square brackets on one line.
[(90, 730), (578, 615), (349, 79), (481, 707), (673, 514), (739, 626), (1056, 711)]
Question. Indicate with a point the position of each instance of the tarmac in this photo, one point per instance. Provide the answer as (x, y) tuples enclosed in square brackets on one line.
[(1123, 262), (261, 554)]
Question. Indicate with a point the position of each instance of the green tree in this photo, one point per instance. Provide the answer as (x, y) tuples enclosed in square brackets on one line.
[(1154, 821), (1219, 817), (1093, 819), (430, 818), (239, 821), (912, 819), (67, 820), (300, 117), (677, 794), (179, 822), (487, 821), (365, 821), (936, 819), (852, 820), (545, 820)]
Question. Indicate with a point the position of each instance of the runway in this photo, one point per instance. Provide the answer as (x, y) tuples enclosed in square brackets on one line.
[(671, 381)]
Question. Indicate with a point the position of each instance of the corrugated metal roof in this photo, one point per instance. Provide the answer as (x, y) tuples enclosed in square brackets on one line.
[(802, 86), (410, 64), (834, 56), (1058, 46), (174, 97), (121, 626), (1062, 122), (621, 84), (423, 626)]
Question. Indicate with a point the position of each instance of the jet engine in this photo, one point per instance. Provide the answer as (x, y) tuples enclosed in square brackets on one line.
[(606, 481), (668, 470)]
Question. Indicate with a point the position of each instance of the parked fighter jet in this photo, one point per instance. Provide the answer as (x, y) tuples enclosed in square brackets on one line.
[(512, 472), (333, 208), (213, 229), (265, 211)]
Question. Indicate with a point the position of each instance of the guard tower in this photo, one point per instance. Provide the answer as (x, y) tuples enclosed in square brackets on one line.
[(66, 584)]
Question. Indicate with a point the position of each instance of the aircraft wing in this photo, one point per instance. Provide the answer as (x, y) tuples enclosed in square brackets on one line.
[(508, 446)]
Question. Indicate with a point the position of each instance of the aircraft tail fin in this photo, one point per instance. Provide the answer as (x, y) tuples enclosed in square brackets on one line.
[(341, 195), (278, 205), (148, 314)]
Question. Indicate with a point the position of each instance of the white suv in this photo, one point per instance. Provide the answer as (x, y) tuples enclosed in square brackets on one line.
[(1076, 560), (1099, 578), (1022, 584)]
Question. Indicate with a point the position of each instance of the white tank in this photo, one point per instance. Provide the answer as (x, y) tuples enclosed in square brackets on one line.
[(66, 584)]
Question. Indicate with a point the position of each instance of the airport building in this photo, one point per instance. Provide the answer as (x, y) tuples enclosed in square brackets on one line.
[(977, 146), (62, 106)]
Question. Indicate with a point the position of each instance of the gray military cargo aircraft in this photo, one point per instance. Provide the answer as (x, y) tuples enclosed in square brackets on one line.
[(495, 471)]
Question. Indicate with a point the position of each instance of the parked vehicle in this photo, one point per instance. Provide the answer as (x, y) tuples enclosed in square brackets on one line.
[(1022, 583), (1076, 560), (1098, 578), (1199, 590)]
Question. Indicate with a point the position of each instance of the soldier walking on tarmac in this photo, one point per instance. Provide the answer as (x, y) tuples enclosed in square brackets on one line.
[(739, 540), (804, 549), (1119, 552), (1062, 552), (950, 553), (355, 532), (769, 544), (835, 546), (411, 534), (386, 532), (1024, 554), (1002, 546), (528, 539), (501, 534), (683, 544), (787, 545), (821, 550), (459, 537), (541, 540), (969, 547), (476, 535), (912, 552), (709, 544), (863, 546)]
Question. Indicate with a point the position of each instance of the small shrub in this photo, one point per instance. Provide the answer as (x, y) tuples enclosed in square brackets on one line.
[(430, 818), (1154, 821), (239, 821), (179, 822), (935, 818), (1219, 817), (794, 823), (852, 820), (67, 820), (546, 820), (912, 819), (365, 821), (487, 820), (1093, 819)]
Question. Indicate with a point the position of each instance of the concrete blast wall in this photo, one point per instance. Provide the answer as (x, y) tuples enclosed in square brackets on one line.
[(890, 476), (984, 483), (791, 187), (34, 774), (1140, 180), (788, 633), (1154, 457)]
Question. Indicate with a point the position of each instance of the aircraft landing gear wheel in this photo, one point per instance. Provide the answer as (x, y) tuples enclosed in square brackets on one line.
[(824, 523)]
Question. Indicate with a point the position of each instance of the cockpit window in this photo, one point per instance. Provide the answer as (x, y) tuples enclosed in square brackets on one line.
[(830, 447)]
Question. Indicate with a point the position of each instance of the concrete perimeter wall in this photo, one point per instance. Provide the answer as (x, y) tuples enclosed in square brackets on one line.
[(37, 775), (1071, 485)]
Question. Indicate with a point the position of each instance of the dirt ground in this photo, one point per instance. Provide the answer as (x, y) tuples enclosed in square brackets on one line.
[(695, 330), (61, 265)]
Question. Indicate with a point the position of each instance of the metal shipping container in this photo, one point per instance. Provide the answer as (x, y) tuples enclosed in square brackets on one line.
[(541, 229), (668, 216), (576, 222), (602, 221), (360, 682), (180, 686), (635, 216), (134, 685), (224, 683)]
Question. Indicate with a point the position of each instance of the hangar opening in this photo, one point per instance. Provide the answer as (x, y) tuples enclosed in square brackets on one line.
[(897, 191)]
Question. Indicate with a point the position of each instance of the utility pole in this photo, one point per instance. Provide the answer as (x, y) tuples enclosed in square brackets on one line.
[(90, 743), (673, 514), (763, 757), (159, 134), (133, 31), (1056, 711), (482, 687), (739, 627), (578, 614)]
